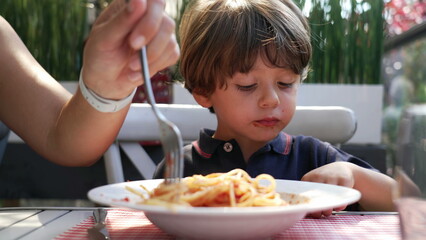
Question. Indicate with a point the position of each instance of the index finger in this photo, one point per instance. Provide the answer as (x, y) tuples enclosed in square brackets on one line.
[(113, 8), (148, 25)]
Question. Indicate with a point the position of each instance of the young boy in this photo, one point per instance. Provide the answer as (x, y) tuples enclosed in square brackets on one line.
[(244, 60)]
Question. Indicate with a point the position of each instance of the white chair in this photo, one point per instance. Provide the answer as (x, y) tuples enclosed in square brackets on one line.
[(332, 124)]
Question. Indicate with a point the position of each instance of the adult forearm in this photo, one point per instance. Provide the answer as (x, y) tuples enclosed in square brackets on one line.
[(82, 134)]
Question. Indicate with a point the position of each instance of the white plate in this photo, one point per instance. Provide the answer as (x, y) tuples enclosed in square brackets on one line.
[(230, 223)]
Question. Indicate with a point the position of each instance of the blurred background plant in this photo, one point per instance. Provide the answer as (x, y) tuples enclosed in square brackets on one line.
[(402, 15), (405, 49), (403, 71), (347, 39), (53, 31)]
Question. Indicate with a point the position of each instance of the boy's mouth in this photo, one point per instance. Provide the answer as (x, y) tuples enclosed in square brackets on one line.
[(267, 122)]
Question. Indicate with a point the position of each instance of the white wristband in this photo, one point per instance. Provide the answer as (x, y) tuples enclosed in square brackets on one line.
[(102, 104)]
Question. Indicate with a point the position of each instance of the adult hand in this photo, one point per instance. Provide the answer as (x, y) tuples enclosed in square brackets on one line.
[(337, 173), (112, 66)]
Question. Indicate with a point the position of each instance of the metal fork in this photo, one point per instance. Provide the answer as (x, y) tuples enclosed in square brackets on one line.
[(171, 139), (99, 230)]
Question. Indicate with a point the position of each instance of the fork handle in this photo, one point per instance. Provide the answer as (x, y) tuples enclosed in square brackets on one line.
[(100, 215), (147, 82), (147, 79)]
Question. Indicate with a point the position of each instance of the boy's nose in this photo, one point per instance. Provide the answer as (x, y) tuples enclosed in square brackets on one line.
[(269, 98)]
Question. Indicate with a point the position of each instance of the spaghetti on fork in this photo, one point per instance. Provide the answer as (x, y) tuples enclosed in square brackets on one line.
[(232, 189)]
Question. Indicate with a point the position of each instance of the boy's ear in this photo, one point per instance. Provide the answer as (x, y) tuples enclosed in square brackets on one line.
[(202, 99)]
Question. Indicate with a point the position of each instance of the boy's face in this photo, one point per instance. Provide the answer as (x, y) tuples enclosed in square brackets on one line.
[(254, 107)]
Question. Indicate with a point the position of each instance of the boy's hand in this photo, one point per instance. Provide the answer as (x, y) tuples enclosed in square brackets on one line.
[(337, 173)]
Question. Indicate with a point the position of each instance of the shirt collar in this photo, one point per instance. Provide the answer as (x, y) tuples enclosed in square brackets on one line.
[(207, 145), (282, 143)]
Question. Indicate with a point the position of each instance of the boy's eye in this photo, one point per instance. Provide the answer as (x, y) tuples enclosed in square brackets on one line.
[(246, 87), (285, 85)]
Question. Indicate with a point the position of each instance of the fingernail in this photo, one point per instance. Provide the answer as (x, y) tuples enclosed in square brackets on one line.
[(138, 42)]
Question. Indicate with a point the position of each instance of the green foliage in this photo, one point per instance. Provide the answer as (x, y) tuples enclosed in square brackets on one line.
[(347, 39), (180, 6), (414, 70), (53, 31)]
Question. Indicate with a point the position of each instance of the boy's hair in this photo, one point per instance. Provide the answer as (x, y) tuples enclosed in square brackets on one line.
[(222, 37)]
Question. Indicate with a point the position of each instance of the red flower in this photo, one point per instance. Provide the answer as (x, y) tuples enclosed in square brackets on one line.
[(401, 15)]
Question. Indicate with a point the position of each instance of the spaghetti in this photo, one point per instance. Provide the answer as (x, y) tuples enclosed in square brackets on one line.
[(232, 189)]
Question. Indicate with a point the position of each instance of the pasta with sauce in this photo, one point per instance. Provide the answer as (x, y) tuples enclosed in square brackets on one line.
[(232, 189)]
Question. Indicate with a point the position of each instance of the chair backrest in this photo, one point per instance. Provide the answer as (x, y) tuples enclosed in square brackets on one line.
[(332, 124)]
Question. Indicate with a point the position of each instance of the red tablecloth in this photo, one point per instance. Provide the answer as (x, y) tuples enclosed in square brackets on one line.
[(131, 224)]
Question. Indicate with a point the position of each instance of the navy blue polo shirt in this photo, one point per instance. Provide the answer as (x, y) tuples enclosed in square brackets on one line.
[(285, 157)]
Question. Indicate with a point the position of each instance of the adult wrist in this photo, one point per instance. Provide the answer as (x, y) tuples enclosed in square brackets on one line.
[(102, 104)]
